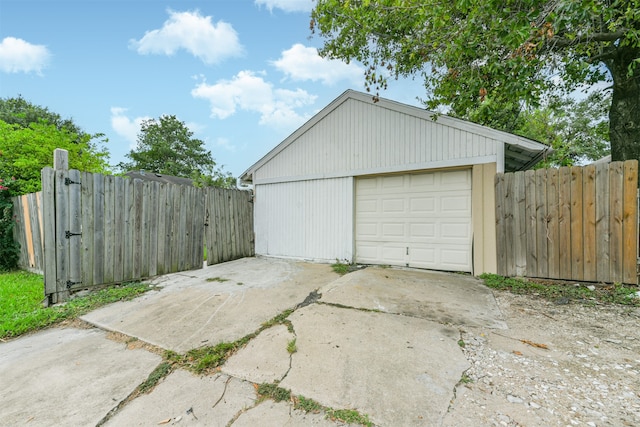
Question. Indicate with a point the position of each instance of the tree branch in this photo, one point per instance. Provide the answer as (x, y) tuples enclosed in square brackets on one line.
[(558, 41)]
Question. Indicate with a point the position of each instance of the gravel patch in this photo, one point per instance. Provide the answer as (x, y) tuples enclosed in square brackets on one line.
[(557, 365)]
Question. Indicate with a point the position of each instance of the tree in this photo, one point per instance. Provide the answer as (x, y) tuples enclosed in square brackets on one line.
[(22, 112), (577, 130), (28, 136), (487, 55), (167, 146)]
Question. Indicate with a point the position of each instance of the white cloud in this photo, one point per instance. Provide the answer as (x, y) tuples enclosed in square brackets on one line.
[(303, 63), (250, 92), (126, 127), (17, 55), (210, 42), (287, 5)]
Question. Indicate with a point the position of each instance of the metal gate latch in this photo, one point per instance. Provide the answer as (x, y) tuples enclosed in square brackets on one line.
[(68, 234)]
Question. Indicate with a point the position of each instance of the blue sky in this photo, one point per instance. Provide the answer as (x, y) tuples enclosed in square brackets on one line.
[(242, 74)]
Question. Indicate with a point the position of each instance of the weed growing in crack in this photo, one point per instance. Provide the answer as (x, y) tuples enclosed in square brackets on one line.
[(307, 405), (349, 416), (217, 279), (272, 391), (161, 371), (291, 346), (279, 394), (465, 379), (461, 343)]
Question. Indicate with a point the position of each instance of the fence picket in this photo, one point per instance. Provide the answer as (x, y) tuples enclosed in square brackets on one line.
[(86, 194), (74, 226), (602, 223), (630, 223), (580, 223), (589, 222), (616, 179), (553, 244), (564, 222)]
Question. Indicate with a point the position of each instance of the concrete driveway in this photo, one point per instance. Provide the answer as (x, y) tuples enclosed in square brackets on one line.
[(381, 341)]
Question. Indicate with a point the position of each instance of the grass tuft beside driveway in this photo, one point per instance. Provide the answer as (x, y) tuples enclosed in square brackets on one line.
[(22, 294), (586, 293)]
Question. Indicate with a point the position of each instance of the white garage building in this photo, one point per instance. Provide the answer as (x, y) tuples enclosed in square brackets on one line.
[(384, 183)]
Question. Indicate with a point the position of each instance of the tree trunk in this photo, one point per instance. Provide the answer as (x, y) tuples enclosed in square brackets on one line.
[(624, 115)]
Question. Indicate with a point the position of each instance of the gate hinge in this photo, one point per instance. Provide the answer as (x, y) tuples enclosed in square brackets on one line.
[(70, 284), (68, 181), (68, 234)]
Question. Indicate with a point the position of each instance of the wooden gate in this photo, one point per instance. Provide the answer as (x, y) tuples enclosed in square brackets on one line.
[(102, 229)]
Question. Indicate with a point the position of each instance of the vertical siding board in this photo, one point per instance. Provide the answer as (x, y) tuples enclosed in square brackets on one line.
[(630, 222), (577, 228), (98, 229), (616, 182), (531, 223), (602, 223), (541, 223), (589, 222), (553, 244), (564, 222)]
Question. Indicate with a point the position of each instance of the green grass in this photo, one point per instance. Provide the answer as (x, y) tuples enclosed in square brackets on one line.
[(22, 294), (291, 346), (611, 294)]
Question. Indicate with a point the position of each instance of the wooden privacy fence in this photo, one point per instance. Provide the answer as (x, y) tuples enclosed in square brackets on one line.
[(28, 231), (229, 224), (578, 223), (101, 229)]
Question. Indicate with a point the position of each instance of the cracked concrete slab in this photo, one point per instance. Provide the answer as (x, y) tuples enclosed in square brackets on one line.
[(265, 359), (399, 370), (223, 302), (446, 298), (187, 399), (270, 413), (70, 377)]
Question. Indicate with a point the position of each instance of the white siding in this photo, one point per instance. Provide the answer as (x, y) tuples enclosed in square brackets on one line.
[(363, 138), (305, 219)]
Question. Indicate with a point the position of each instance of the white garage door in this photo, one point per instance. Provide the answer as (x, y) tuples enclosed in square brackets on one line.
[(415, 220)]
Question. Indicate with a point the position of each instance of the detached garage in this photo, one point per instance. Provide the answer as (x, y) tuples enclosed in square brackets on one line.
[(385, 183)]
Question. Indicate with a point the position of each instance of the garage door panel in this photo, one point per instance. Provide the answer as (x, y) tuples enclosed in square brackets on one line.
[(419, 220), (393, 230), (421, 205), (393, 205)]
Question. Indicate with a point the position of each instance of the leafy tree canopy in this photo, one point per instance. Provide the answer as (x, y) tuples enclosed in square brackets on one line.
[(21, 112), (495, 55), (576, 129), (30, 134), (167, 146)]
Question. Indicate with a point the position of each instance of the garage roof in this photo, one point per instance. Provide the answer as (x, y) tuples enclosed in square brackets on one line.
[(520, 153)]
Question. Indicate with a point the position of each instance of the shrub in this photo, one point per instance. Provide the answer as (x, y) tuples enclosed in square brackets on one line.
[(9, 249)]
